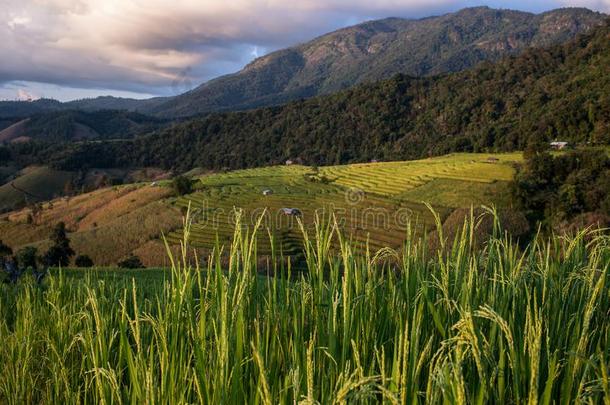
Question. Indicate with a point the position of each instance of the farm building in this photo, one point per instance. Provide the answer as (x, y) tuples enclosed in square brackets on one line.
[(267, 192), (559, 145), (294, 161), (295, 212)]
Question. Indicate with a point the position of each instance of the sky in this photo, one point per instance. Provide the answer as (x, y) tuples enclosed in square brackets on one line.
[(71, 49)]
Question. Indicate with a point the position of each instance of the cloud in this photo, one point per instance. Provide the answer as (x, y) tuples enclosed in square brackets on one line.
[(24, 95), (146, 45)]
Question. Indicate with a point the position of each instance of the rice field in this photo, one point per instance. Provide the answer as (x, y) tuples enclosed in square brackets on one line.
[(373, 203), (500, 324), (398, 178)]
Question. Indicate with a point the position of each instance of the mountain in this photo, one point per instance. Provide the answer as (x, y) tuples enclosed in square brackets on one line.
[(23, 109), (71, 125), (562, 92), (114, 103), (12, 109), (364, 53), (378, 50)]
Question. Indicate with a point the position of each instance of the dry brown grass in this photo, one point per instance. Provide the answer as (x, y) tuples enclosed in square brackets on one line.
[(122, 205), (119, 237), (106, 224)]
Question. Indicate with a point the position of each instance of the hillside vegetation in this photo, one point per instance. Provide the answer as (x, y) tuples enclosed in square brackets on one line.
[(32, 185), (372, 206), (562, 92), (61, 126)]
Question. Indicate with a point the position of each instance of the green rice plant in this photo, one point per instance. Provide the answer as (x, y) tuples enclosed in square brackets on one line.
[(494, 324)]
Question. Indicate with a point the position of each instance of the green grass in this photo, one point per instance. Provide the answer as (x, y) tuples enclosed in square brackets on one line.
[(140, 276), (498, 325)]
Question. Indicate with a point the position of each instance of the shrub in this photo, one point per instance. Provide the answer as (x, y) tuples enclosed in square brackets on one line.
[(60, 252), (5, 250), (182, 185), (131, 262), (83, 261), (28, 257), (593, 220)]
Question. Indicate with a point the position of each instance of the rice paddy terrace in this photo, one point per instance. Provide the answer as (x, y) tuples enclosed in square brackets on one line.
[(373, 203)]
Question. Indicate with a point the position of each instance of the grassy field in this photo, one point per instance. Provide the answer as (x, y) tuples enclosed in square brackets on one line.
[(373, 203), (33, 184), (498, 324)]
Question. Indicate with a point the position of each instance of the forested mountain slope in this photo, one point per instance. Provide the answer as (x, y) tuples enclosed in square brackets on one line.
[(71, 125), (559, 93), (378, 50)]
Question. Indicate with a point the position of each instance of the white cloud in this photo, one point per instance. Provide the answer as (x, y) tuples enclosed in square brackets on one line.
[(146, 45), (25, 95)]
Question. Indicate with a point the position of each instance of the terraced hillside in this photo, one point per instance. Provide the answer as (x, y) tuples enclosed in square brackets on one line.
[(444, 181), (374, 203)]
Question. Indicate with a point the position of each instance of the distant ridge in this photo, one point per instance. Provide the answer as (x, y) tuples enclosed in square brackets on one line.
[(377, 50)]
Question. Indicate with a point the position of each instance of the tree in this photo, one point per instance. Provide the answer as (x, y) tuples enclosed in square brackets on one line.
[(535, 146), (28, 258), (182, 185), (556, 189), (131, 262), (5, 252), (60, 252), (83, 261)]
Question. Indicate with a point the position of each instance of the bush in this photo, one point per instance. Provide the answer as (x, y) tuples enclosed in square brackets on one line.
[(559, 189), (60, 253), (83, 261), (5, 250), (182, 185), (28, 257), (132, 262), (592, 220)]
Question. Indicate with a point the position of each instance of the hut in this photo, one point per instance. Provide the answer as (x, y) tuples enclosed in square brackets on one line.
[(294, 212), (559, 145)]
